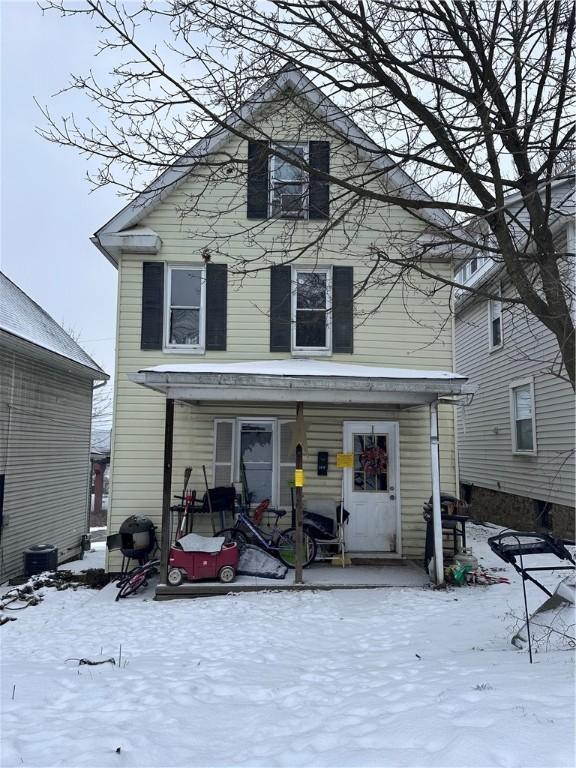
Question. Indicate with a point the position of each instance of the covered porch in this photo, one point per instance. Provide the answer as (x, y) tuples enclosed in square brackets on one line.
[(373, 404)]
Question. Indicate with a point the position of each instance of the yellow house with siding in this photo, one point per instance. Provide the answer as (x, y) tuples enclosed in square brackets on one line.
[(247, 285)]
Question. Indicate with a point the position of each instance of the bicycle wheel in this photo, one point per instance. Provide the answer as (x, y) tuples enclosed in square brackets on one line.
[(130, 586), (287, 548), (233, 534), (123, 580)]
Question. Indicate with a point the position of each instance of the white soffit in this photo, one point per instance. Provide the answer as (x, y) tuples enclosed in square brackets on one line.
[(292, 380)]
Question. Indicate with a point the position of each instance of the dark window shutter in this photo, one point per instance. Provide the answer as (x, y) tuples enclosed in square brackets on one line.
[(216, 306), (257, 202), (280, 309), (152, 305), (342, 309), (319, 195)]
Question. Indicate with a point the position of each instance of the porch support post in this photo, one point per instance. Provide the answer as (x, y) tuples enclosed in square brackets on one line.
[(167, 490), (436, 506), (298, 578)]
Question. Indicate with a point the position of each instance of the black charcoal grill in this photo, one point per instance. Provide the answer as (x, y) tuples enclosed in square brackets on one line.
[(136, 539)]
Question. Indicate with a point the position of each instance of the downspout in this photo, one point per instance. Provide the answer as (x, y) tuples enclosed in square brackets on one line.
[(436, 505)]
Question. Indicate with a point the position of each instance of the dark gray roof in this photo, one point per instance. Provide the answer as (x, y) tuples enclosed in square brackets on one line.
[(22, 317)]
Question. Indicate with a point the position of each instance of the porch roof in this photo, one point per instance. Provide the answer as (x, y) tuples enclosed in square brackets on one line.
[(300, 380)]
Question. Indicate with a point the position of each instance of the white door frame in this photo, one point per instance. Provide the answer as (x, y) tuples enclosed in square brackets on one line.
[(394, 428)]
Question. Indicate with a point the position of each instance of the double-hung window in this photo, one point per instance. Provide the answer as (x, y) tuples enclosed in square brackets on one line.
[(258, 455), (311, 310), (185, 305), (495, 321), (289, 183), (523, 416)]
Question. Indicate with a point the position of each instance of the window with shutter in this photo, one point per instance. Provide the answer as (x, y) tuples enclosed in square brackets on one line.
[(185, 308), (289, 183), (311, 309), (282, 189)]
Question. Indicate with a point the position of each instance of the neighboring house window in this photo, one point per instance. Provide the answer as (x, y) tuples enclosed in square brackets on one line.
[(495, 321), (185, 307), (523, 416), (311, 310), (289, 184)]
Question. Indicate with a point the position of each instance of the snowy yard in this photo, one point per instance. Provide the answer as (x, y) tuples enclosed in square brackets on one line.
[(390, 677)]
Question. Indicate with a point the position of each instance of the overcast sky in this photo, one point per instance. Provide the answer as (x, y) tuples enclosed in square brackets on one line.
[(48, 210)]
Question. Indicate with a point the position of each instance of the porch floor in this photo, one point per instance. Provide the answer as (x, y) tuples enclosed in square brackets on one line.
[(324, 577)]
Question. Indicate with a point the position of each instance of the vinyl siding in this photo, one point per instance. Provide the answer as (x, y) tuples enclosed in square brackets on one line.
[(485, 430), (45, 414), (394, 326)]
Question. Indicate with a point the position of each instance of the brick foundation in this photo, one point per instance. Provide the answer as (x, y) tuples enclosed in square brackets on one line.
[(519, 512)]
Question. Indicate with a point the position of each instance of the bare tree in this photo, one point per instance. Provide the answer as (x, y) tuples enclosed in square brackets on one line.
[(472, 100), (102, 407)]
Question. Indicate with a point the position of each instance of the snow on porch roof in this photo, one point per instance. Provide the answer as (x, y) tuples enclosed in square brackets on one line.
[(305, 380)]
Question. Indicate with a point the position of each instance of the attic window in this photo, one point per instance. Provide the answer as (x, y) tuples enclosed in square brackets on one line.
[(289, 184)]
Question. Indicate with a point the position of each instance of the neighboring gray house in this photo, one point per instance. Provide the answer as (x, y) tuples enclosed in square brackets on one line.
[(46, 383), (516, 437)]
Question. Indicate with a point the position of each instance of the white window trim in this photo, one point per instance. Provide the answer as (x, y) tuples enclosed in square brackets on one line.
[(512, 386), (315, 351), (185, 349), (289, 145), (495, 347)]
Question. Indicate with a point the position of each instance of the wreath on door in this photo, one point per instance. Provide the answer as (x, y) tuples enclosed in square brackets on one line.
[(374, 461)]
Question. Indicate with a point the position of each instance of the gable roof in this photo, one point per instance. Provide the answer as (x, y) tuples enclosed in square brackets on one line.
[(321, 106), (23, 318)]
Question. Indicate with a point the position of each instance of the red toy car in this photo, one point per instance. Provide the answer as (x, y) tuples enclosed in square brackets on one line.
[(203, 565)]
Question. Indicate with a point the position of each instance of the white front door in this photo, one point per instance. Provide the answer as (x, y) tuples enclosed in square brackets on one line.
[(371, 486)]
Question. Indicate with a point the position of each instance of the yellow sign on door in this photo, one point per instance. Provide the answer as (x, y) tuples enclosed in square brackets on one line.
[(344, 460)]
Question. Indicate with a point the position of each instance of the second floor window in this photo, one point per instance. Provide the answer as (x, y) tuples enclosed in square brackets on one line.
[(289, 184), (495, 321), (311, 310), (185, 307)]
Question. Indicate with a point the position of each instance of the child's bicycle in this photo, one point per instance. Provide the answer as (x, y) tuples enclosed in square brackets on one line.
[(138, 577)]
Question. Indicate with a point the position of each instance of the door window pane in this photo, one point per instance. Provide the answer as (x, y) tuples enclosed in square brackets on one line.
[(370, 462)]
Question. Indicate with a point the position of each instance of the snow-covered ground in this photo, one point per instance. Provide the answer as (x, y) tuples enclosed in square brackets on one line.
[(391, 677)]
